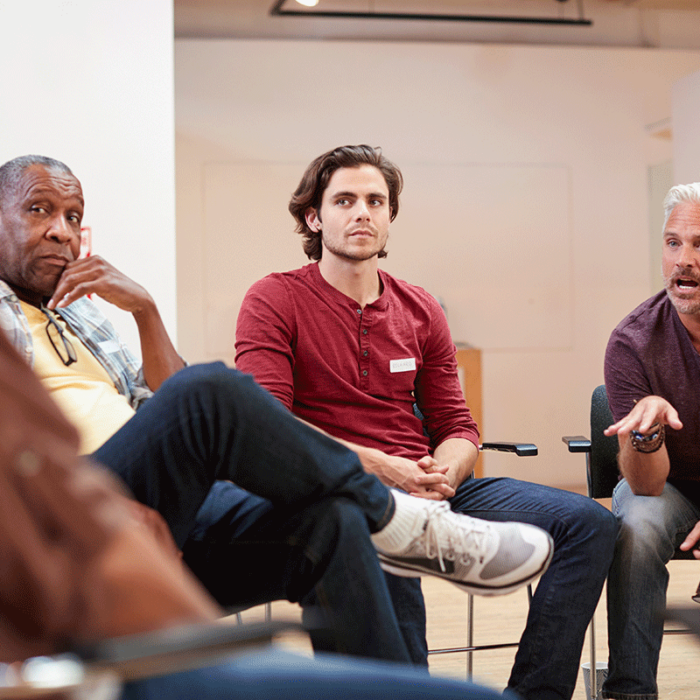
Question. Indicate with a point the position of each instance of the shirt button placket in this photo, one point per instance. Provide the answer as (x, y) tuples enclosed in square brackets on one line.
[(364, 352)]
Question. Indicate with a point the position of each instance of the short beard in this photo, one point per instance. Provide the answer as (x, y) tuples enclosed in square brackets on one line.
[(687, 307), (341, 253)]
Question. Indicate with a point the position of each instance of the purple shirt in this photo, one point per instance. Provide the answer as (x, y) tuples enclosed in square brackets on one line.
[(650, 353), (355, 372)]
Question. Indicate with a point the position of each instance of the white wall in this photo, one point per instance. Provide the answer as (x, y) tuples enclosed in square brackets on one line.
[(566, 249), (686, 129), (90, 82)]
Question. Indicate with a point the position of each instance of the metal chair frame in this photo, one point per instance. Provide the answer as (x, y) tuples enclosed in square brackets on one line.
[(521, 450)]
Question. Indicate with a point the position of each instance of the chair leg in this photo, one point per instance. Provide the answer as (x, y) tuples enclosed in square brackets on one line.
[(268, 614), (470, 632), (470, 635), (594, 667)]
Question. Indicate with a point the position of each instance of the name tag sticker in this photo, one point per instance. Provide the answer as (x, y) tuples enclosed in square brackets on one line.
[(407, 365), (108, 346)]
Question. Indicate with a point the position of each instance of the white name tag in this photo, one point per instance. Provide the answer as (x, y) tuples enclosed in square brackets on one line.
[(407, 365)]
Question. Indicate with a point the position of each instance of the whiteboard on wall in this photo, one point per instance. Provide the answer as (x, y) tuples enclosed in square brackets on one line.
[(462, 233)]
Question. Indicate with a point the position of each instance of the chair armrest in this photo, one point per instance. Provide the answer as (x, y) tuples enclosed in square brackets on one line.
[(90, 669), (177, 649), (522, 449), (577, 443)]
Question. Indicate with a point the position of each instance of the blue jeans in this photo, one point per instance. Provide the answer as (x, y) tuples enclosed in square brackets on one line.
[(651, 529), (279, 675), (409, 606), (547, 661), (304, 534)]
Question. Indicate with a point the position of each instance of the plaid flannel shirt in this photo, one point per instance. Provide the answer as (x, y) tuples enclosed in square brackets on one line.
[(93, 329)]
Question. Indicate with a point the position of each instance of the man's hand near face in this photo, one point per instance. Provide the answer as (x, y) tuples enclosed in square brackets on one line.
[(94, 275)]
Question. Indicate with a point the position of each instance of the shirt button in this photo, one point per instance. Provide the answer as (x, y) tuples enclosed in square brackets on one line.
[(364, 331), (365, 353), (364, 372), (359, 311)]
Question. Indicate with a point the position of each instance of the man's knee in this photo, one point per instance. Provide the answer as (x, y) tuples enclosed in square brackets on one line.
[(643, 532), (210, 381), (334, 528), (583, 521), (591, 530), (345, 516), (604, 522), (210, 374)]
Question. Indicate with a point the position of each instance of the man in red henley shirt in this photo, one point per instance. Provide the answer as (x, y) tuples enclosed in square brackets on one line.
[(351, 349)]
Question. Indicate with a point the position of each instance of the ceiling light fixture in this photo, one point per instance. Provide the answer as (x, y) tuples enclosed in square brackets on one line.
[(279, 10)]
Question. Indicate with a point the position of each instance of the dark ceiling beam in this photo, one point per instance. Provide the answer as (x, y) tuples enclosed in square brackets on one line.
[(279, 10)]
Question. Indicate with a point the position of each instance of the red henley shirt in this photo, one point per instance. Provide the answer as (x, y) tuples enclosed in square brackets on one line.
[(353, 372)]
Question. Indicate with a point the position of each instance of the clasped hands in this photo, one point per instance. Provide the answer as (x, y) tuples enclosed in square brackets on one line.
[(425, 478)]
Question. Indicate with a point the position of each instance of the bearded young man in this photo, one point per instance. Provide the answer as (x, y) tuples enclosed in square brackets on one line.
[(349, 348)]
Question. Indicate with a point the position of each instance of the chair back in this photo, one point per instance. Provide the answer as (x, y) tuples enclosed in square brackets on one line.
[(603, 474)]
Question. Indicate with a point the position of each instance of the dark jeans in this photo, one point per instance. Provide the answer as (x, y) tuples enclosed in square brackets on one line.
[(279, 675), (208, 425), (547, 661)]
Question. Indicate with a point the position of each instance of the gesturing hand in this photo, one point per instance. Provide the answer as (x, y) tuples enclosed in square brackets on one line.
[(95, 275), (646, 413), (691, 541)]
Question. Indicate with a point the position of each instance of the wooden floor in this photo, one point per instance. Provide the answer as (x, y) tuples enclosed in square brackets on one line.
[(502, 618)]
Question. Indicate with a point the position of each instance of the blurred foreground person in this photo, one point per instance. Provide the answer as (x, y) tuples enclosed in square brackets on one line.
[(81, 562)]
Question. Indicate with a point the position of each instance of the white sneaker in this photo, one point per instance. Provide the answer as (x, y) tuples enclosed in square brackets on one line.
[(481, 557)]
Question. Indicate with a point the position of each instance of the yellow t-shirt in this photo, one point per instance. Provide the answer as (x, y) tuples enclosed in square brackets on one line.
[(83, 390)]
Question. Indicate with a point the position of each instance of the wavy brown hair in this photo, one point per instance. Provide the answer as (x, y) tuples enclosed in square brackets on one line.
[(309, 193)]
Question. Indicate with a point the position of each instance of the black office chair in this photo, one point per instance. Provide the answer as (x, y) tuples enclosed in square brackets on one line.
[(602, 476)]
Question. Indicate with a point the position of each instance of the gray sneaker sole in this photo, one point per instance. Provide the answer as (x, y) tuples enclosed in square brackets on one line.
[(400, 567)]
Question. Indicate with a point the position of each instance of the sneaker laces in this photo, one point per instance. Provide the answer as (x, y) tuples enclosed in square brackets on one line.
[(463, 534)]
